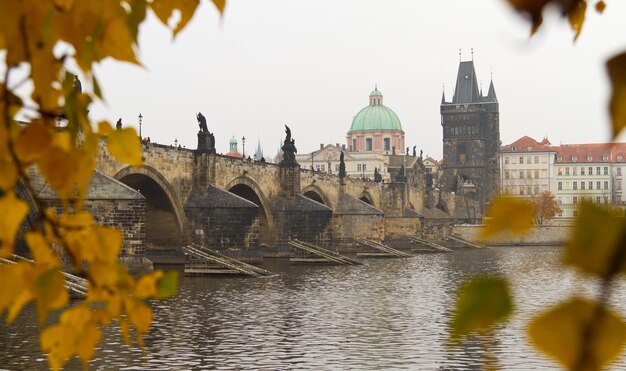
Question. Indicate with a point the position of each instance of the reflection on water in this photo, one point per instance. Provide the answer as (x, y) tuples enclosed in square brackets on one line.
[(387, 314)]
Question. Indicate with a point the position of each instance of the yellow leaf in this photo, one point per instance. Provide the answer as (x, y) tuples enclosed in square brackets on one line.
[(595, 241), (164, 9), (562, 333), (41, 251), (533, 9), (50, 293), (600, 6), (60, 168), (117, 41), (139, 314), (616, 67), (89, 339), (63, 140), (482, 302), (166, 286), (11, 284), (146, 287), (13, 213), (104, 128), (33, 141), (9, 173), (125, 331), (508, 214), (220, 5), (125, 146), (576, 17)]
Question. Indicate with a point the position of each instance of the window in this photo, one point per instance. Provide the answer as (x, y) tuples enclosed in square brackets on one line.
[(536, 174), (560, 200), (582, 171), (521, 174), (559, 185), (597, 199), (618, 186), (598, 170), (528, 190), (322, 167), (619, 157), (574, 170), (606, 199), (536, 190), (506, 174), (606, 184), (536, 159), (521, 190), (317, 167), (605, 157), (590, 170), (368, 144), (574, 200), (582, 185), (589, 158), (529, 160), (559, 159), (567, 171), (506, 160), (387, 144), (618, 199), (521, 160), (590, 184), (560, 171), (336, 168), (529, 148), (354, 145), (606, 170), (598, 185), (574, 158), (575, 185), (529, 174), (619, 171), (575, 213), (358, 167)]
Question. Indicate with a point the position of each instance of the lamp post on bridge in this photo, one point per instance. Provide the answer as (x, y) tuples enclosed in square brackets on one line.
[(140, 121), (243, 142)]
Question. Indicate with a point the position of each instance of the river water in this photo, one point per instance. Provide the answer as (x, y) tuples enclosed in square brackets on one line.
[(386, 314)]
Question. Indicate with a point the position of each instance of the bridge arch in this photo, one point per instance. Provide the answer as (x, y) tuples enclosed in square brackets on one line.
[(315, 193), (246, 187), (367, 198), (165, 217)]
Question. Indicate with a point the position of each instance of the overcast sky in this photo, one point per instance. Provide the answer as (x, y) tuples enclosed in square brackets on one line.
[(312, 64)]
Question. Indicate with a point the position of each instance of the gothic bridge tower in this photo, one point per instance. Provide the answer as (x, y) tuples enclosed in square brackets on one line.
[(471, 138)]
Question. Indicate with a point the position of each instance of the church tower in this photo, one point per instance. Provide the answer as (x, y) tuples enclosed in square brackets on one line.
[(471, 138)]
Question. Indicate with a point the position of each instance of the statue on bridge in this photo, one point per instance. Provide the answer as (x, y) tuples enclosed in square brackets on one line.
[(414, 151), (289, 148), (377, 176), (342, 166), (202, 122), (206, 139), (118, 125)]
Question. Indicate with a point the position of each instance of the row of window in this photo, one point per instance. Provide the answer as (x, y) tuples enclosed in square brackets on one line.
[(528, 174), (369, 144), (599, 199), (525, 159), (559, 185), (604, 171), (574, 158), (461, 130)]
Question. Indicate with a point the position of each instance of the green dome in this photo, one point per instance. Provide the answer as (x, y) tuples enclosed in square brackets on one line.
[(375, 117), (233, 141), (376, 93)]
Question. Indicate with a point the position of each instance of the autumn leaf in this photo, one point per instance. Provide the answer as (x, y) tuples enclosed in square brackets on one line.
[(561, 332), (13, 213), (50, 293), (481, 303), (166, 286), (616, 67), (124, 144), (164, 9), (508, 214), (33, 141), (594, 242), (41, 251), (576, 17)]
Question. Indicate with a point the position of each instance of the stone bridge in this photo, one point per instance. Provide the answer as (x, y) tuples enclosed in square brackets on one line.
[(231, 203)]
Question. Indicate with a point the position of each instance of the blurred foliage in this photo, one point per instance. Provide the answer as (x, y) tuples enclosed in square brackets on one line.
[(41, 40), (580, 333)]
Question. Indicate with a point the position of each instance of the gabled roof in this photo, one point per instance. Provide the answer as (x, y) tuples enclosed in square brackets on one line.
[(591, 152), (526, 144)]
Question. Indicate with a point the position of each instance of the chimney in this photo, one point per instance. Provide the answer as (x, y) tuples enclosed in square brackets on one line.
[(321, 145)]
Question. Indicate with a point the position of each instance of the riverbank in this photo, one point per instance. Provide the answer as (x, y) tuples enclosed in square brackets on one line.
[(545, 235)]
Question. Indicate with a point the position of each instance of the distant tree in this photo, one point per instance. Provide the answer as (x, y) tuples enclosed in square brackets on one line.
[(546, 207)]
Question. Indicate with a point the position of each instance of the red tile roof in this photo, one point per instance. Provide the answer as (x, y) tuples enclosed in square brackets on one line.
[(591, 152), (527, 144)]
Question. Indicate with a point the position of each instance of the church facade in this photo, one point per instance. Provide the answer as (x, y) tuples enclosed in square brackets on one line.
[(471, 139)]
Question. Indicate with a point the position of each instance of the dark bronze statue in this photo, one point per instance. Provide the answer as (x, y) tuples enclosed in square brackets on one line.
[(118, 126), (289, 148), (377, 176), (202, 122), (414, 151), (342, 166)]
